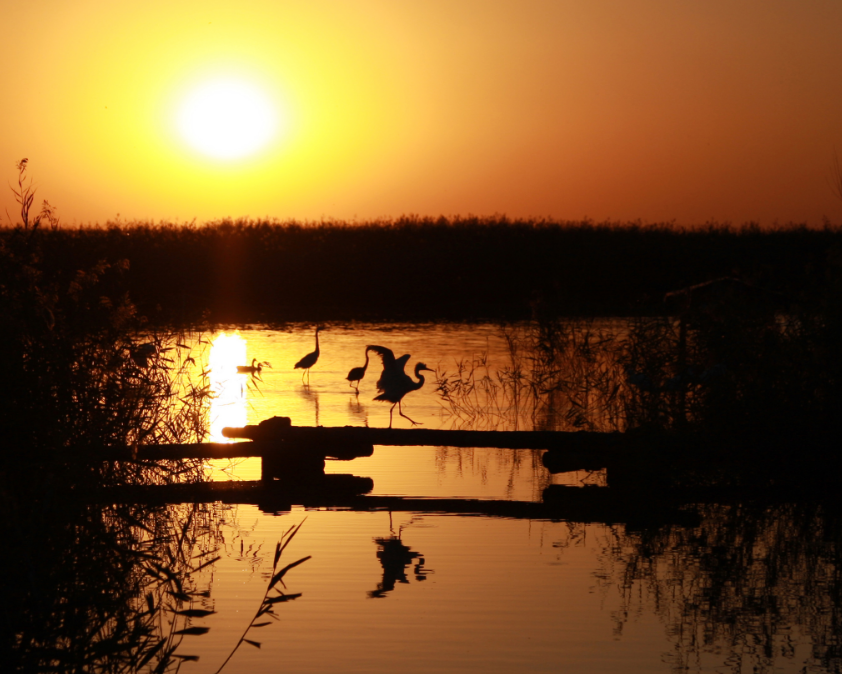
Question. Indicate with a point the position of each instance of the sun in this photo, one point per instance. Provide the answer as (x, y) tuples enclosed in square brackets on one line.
[(227, 118)]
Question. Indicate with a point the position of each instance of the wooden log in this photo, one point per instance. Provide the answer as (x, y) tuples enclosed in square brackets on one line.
[(557, 461), (231, 450), (358, 435), (163, 452)]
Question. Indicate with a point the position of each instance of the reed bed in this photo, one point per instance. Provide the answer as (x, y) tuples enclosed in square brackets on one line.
[(416, 268), (753, 586), (734, 372), (95, 588)]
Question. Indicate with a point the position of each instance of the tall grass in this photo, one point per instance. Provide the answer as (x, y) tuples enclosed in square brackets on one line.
[(730, 370), (753, 587), (429, 269), (83, 371), (98, 588)]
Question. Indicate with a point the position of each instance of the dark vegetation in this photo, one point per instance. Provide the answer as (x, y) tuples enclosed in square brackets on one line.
[(753, 587), (425, 269), (90, 587)]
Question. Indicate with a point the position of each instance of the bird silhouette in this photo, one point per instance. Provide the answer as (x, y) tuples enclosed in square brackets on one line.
[(254, 368), (309, 360), (394, 383), (357, 373)]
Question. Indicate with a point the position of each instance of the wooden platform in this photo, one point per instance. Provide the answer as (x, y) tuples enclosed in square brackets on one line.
[(286, 449)]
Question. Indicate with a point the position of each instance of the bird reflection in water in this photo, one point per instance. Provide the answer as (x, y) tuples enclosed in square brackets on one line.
[(395, 557), (357, 411), (313, 397)]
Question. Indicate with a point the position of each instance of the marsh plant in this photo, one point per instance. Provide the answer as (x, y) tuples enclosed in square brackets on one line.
[(240, 271), (560, 375), (119, 588), (82, 371), (104, 588), (92, 586), (724, 367), (752, 587)]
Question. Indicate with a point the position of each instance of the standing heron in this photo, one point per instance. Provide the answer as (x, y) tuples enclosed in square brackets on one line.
[(357, 373), (309, 360), (394, 383)]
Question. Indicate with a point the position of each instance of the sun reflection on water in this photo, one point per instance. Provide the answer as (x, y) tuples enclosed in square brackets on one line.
[(230, 388)]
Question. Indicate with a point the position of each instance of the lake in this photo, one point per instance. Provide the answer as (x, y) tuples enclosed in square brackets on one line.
[(707, 587)]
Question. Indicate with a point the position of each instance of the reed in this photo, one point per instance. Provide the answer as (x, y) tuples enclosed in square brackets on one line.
[(270, 600), (91, 588), (82, 370), (429, 269), (730, 370), (732, 591)]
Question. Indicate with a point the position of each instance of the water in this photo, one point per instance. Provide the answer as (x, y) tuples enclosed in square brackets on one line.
[(705, 588), (489, 595), (329, 400), (606, 584)]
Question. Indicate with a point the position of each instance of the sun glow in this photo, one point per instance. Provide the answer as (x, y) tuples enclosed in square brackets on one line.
[(227, 118)]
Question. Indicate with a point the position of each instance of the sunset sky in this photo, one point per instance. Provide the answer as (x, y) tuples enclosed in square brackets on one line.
[(651, 110)]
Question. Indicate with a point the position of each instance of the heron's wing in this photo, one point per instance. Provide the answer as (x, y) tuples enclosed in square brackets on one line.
[(387, 355), (401, 362)]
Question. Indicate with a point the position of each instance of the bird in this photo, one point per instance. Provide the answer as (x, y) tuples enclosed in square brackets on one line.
[(357, 373), (394, 383), (309, 360), (254, 368)]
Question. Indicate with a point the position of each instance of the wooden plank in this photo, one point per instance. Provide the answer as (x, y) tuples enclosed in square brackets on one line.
[(231, 450), (164, 452), (395, 437)]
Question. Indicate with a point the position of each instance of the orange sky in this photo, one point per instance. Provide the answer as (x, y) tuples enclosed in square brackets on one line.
[(657, 110)]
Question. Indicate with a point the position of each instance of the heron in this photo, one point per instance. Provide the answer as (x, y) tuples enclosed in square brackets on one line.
[(394, 383), (357, 373), (309, 360)]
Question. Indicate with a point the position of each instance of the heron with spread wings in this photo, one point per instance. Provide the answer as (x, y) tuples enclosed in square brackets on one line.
[(394, 382)]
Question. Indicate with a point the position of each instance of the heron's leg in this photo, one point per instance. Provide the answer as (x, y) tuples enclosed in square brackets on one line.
[(391, 409), (400, 411)]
